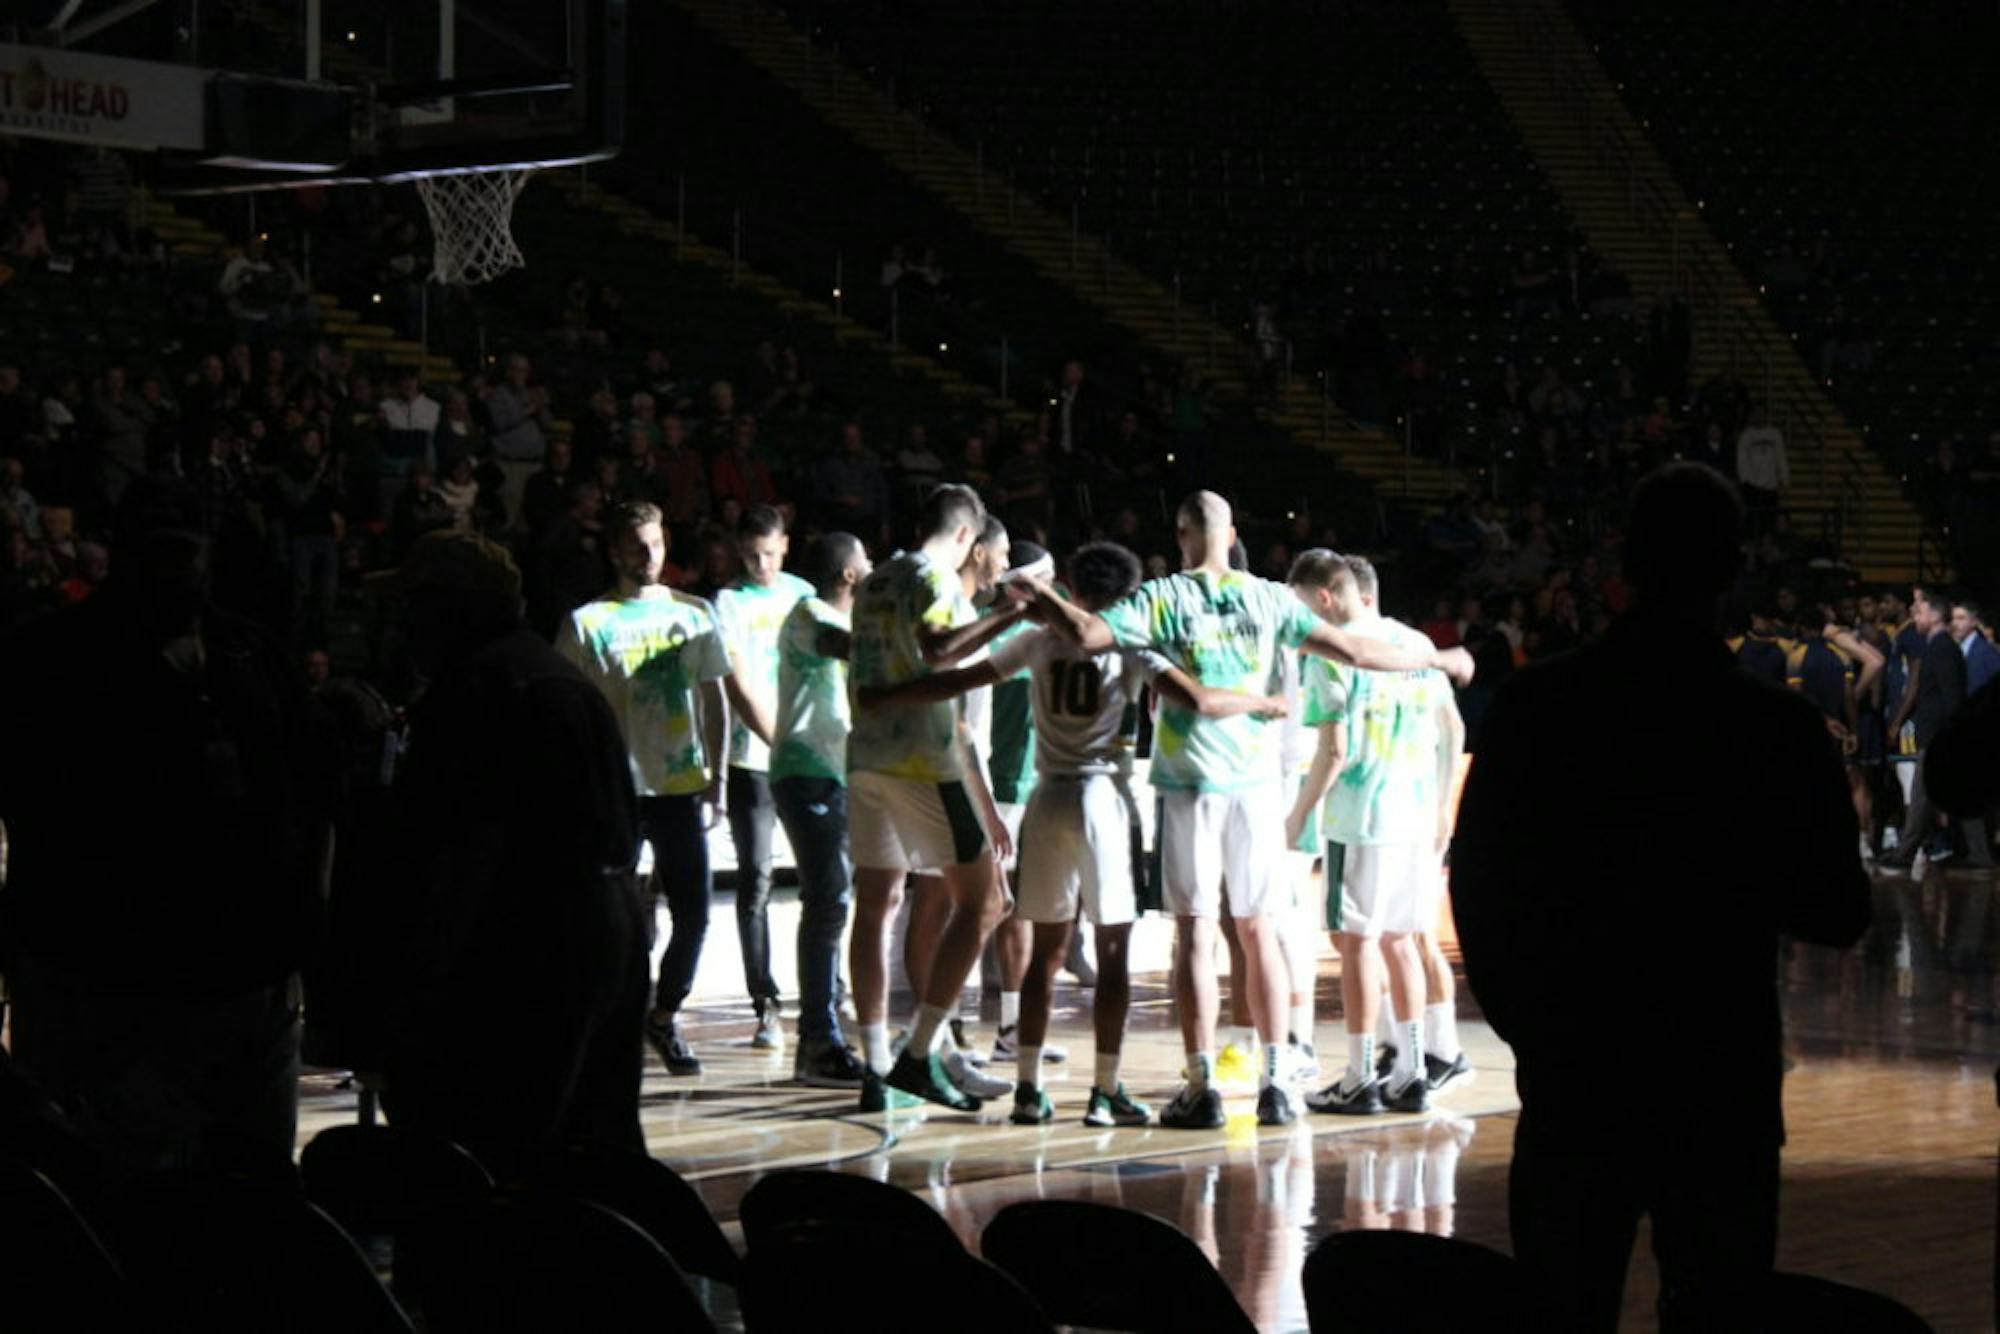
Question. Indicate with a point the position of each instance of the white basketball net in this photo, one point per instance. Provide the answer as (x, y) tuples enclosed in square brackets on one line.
[(471, 221)]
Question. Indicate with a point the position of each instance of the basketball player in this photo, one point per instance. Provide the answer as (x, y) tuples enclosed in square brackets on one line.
[(1080, 832), (909, 805), (809, 788), (1222, 807), (1011, 773), (660, 662), (1389, 749), (929, 903), (751, 612)]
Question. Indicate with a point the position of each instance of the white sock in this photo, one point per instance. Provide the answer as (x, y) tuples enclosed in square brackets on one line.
[(875, 1046), (1010, 1009), (1302, 1022), (1107, 1071), (1200, 1069), (1360, 1060), (1441, 1030), (1273, 1060), (1029, 1069), (925, 1032), (1410, 1055)]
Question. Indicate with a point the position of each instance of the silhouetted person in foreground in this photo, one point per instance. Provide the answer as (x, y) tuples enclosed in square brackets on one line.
[(518, 974), (1644, 821), (166, 794)]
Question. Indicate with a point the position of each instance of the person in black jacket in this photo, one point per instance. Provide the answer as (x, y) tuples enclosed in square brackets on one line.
[(1936, 691), (518, 950), (1621, 879)]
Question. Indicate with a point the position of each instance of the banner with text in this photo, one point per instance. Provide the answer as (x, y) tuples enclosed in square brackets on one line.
[(54, 94)]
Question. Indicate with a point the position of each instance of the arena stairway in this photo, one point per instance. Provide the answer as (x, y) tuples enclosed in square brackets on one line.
[(1620, 190), (193, 238), (1063, 252)]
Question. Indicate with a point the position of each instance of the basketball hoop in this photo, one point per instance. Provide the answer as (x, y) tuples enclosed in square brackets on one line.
[(472, 215)]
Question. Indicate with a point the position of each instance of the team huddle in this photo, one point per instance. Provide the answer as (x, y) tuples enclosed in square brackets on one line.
[(959, 726)]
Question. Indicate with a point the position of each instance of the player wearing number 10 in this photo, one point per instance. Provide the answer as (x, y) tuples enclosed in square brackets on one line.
[(1080, 833)]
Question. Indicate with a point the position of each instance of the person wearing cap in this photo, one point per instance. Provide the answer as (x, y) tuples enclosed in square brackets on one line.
[(167, 797), (514, 844)]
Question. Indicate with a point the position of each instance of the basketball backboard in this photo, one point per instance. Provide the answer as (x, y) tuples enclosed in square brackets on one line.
[(293, 92)]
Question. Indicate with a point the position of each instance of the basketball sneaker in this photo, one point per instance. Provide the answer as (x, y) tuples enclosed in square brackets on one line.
[(964, 1044), (877, 1096), (1439, 1072), (1007, 1048), (1194, 1109), (1274, 1106), (926, 1077), (1412, 1095), (1032, 1106), (1115, 1108), (1364, 1099), (959, 1067)]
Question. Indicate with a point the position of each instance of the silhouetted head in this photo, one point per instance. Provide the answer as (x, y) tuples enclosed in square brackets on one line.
[(459, 591), (1684, 538), (161, 537)]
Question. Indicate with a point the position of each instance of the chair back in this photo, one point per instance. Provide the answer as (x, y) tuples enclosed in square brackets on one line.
[(839, 1197), (1110, 1268), (663, 1203), (1352, 1278), (932, 1287), (55, 1271)]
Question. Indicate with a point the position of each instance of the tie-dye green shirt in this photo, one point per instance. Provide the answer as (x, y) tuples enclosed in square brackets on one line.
[(907, 595), (1227, 631), (813, 717), (1387, 791), (649, 655), (751, 616)]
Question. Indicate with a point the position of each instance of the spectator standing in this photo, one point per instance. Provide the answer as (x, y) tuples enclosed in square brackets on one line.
[(409, 433), (738, 474), (515, 816), (1762, 469), (853, 494), (124, 425), (519, 412), (546, 494), (1565, 973), (1982, 659)]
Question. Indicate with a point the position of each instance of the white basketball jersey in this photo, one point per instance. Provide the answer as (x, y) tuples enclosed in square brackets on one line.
[(1081, 702)]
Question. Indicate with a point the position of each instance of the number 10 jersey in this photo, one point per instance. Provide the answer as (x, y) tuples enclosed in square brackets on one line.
[(1085, 706)]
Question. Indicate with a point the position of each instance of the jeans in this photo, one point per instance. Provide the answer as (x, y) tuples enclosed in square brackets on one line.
[(750, 816), (680, 875), (815, 814)]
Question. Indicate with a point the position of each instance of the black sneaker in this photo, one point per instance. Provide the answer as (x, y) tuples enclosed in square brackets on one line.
[(1194, 1109), (1340, 1100), (1438, 1072), (925, 1077), (664, 1037), (1032, 1106), (1274, 1107), (1385, 1060), (1413, 1096), (826, 1065), (877, 1096)]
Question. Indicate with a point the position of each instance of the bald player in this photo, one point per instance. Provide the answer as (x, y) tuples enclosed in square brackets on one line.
[(1223, 806)]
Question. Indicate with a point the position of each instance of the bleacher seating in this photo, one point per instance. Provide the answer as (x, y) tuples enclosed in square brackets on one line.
[(1342, 162), (1861, 203)]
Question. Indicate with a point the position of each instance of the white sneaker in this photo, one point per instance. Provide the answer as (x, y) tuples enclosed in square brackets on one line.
[(1006, 1048), (974, 1082)]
